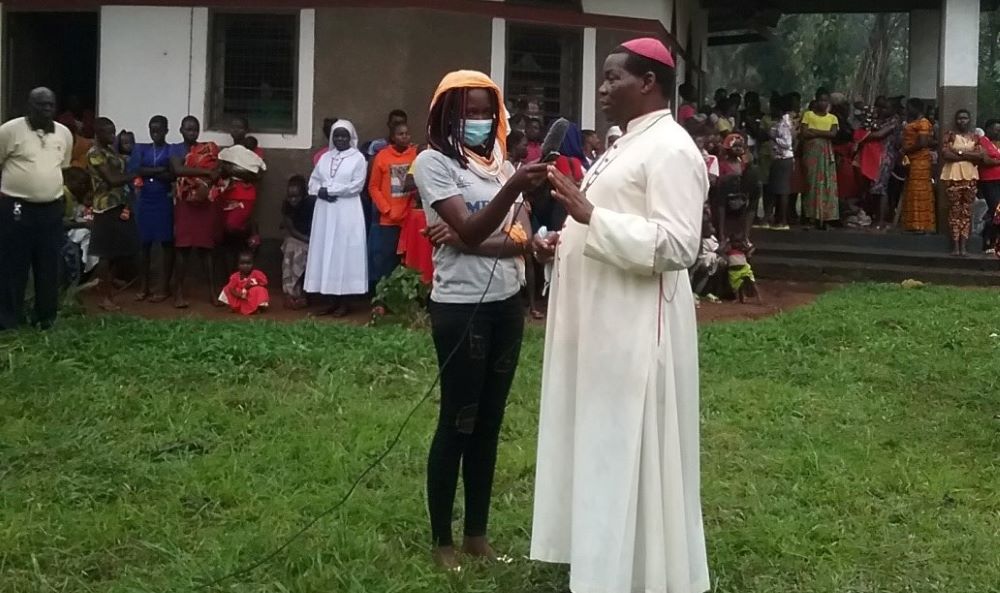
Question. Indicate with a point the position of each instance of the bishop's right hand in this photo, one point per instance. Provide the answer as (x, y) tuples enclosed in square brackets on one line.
[(544, 248)]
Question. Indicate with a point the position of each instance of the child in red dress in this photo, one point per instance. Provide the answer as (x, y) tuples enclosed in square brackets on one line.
[(246, 293)]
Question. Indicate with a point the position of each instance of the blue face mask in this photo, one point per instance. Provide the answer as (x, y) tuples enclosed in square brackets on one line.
[(477, 131)]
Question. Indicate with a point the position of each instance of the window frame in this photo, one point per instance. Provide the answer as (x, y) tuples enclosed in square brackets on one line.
[(570, 85), (214, 116)]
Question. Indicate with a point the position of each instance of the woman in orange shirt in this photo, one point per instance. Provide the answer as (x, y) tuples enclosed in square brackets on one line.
[(387, 187)]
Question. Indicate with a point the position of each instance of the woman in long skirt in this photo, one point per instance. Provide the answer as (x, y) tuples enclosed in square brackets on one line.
[(819, 128), (337, 263), (918, 208)]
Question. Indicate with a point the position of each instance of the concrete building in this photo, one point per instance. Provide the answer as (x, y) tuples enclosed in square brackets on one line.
[(289, 64)]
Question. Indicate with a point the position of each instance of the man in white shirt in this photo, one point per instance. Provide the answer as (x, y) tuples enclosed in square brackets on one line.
[(617, 484), (33, 152)]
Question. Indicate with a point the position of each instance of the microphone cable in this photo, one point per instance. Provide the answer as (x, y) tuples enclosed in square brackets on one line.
[(393, 443)]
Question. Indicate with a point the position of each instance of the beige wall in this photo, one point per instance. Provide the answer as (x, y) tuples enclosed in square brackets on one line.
[(368, 62)]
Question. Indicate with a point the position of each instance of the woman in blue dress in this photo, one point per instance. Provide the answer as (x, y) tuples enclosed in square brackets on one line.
[(154, 207)]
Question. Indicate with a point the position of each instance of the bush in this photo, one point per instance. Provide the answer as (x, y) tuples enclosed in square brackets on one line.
[(404, 297)]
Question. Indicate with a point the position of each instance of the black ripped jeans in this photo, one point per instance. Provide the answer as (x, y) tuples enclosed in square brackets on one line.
[(474, 389)]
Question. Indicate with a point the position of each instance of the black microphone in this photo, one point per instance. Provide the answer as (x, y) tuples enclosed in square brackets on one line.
[(554, 139)]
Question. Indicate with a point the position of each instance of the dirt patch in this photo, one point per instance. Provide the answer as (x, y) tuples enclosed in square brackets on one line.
[(777, 296)]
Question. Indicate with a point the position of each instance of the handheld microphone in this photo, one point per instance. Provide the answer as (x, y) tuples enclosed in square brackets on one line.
[(554, 139)]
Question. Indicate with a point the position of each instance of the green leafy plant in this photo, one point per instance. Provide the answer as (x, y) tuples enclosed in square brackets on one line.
[(401, 295)]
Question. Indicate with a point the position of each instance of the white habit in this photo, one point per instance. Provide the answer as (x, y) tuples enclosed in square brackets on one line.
[(617, 492), (337, 263)]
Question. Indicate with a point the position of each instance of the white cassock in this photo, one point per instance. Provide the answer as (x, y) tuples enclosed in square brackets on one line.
[(617, 492)]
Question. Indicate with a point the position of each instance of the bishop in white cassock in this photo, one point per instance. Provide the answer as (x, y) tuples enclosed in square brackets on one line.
[(617, 485)]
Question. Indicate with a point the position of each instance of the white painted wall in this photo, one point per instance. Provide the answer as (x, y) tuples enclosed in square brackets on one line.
[(588, 80), (925, 47), (145, 58), (640, 9), (154, 60), (498, 53), (960, 43)]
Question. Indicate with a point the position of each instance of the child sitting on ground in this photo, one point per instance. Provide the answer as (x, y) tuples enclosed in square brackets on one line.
[(297, 214), (246, 292), (741, 277)]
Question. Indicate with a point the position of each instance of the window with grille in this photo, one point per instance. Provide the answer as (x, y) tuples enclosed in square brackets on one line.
[(543, 71), (253, 70)]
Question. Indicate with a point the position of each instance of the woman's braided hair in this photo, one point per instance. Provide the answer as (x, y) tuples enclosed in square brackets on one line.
[(445, 124)]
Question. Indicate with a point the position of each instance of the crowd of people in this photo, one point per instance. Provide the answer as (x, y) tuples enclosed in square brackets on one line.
[(347, 224), (358, 215), (834, 162)]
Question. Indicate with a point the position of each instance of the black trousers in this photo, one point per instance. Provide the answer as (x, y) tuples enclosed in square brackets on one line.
[(474, 389), (31, 238)]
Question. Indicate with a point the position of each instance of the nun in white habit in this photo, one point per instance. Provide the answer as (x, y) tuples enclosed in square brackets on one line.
[(337, 263)]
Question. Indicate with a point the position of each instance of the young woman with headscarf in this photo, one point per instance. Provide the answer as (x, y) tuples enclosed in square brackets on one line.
[(337, 263), (469, 190)]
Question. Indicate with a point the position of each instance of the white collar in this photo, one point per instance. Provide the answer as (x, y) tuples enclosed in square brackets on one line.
[(644, 121)]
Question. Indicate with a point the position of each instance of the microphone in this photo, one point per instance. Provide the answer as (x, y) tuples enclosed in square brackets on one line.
[(554, 139)]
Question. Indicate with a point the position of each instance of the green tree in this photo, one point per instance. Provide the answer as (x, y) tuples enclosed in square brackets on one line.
[(807, 51)]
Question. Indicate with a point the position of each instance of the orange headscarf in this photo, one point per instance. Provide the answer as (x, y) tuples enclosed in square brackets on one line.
[(472, 79), (731, 140)]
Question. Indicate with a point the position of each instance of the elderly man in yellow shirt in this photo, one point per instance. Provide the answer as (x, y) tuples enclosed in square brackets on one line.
[(33, 152)]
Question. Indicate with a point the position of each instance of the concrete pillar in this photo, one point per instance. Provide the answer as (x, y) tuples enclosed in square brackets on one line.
[(925, 51), (959, 58), (959, 73)]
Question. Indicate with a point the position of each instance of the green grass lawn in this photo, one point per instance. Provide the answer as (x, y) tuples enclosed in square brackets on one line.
[(849, 447)]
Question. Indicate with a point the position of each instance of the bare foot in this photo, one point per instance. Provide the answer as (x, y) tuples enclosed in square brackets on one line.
[(180, 302), (446, 558), (537, 315), (141, 296), (478, 547), (158, 298), (109, 306)]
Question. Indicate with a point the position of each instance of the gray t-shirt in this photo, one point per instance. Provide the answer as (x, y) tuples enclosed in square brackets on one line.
[(458, 277)]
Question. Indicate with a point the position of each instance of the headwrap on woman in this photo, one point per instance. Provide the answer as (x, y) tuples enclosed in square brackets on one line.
[(492, 166), (343, 124), (337, 157), (731, 140), (572, 144)]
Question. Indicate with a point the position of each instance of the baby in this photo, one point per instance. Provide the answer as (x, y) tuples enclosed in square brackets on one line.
[(246, 292)]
